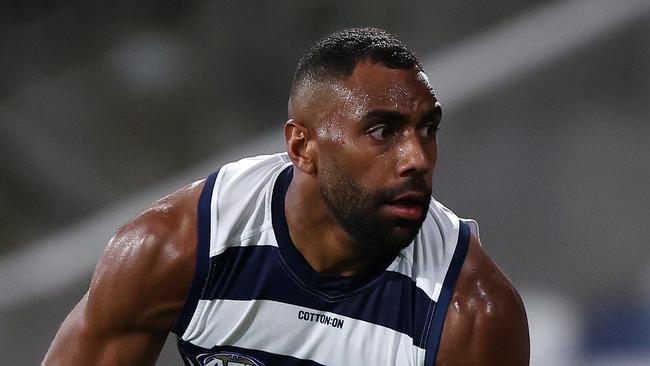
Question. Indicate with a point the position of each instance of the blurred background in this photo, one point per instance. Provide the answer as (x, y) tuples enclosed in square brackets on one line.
[(107, 105)]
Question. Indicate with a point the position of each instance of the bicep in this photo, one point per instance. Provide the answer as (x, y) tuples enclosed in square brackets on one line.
[(136, 293), (497, 334), (486, 321)]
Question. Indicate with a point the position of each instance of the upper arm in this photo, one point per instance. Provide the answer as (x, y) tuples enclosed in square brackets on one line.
[(486, 322), (137, 291)]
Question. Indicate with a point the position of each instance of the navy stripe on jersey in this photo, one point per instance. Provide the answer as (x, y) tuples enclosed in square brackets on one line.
[(199, 356), (256, 273), (447, 291), (202, 255)]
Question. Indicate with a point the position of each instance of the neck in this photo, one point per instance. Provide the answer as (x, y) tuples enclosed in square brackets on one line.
[(318, 237)]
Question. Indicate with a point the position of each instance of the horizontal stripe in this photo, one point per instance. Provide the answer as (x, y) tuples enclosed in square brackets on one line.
[(257, 273), (284, 329)]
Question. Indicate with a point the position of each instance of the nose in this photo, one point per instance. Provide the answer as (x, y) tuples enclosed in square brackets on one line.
[(415, 155)]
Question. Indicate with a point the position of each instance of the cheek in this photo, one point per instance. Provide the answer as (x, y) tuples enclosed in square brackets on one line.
[(349, 159), (370, 166), (330, 136)]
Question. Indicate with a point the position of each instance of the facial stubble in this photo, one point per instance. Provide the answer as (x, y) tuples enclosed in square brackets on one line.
[(357, 209)]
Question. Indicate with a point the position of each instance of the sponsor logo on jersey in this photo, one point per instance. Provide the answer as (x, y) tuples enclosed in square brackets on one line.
[(227, 359), (320, 318)]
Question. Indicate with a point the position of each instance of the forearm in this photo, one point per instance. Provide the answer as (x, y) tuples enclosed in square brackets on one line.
[(80, 342)]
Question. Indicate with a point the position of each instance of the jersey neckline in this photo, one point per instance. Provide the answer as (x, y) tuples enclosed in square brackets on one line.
[(331, 285)]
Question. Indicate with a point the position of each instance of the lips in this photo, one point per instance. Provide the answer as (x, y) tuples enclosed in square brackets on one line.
[(406, 206), (409, 199)]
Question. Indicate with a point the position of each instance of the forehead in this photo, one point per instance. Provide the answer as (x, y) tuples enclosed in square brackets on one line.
[(376, 86)]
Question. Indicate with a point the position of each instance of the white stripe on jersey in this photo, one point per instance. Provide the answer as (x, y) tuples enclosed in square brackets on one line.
[(299, 334), (241, 203)]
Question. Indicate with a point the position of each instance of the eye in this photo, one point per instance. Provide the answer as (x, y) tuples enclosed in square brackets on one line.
[(429, 130), (382, 132)]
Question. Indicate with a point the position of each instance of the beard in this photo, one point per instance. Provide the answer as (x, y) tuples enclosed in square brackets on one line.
[(357, 210)]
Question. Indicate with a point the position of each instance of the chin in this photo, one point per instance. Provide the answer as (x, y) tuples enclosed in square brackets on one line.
[(404, 235)]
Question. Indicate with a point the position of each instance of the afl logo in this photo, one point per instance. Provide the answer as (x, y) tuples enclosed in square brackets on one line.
[(227, 359)]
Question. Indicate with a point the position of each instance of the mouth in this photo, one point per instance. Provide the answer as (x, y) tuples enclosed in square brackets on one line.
[(409, 206)]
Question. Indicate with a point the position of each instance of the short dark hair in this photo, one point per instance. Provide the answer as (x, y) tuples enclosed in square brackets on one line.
[(337, 54)]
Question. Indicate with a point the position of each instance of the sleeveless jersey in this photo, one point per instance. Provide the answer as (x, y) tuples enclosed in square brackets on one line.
[(255, 300)]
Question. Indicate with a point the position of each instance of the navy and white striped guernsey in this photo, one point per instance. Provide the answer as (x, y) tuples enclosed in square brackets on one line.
[(254, 300)]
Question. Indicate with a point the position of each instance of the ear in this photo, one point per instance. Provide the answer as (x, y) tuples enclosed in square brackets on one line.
[(300, 146)]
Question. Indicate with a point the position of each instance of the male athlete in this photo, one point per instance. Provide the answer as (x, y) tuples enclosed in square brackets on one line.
[(333, 253)]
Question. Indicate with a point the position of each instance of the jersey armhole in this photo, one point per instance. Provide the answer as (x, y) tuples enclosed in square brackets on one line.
[(435, 331), (201, 268)]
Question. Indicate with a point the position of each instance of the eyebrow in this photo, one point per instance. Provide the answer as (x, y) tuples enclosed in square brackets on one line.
[(387, 115), (433, 114)]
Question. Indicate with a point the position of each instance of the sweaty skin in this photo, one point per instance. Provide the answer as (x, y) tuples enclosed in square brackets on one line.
[(137, 291), (376, 129)]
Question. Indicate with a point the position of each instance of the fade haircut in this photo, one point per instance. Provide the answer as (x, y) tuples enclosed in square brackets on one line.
[(336, 55)]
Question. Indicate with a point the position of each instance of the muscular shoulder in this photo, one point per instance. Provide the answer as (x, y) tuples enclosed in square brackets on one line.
[(486, 322), (137, 291), (147, 266)]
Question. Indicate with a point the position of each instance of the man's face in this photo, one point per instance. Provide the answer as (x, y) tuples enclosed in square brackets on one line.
[(377, 149)]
